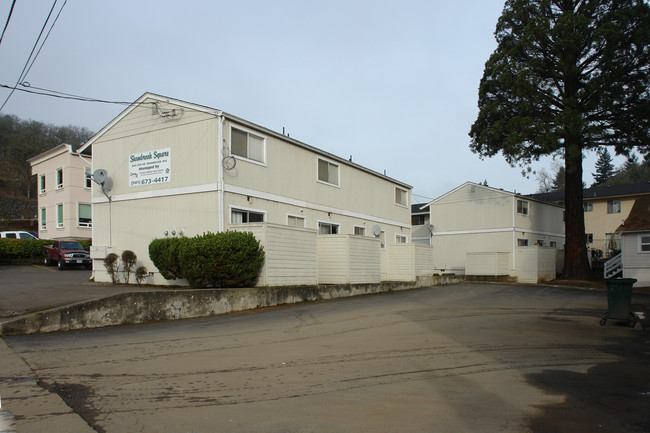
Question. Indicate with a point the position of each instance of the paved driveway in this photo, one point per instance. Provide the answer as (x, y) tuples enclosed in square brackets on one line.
[(462, 358), (33, 288)]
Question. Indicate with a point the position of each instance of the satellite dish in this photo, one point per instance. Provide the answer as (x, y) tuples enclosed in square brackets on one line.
[(430, 227), (375, 230), (100, 175), (107, 185)]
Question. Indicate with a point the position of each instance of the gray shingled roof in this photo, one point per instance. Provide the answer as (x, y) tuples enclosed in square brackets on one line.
[(598, 192)]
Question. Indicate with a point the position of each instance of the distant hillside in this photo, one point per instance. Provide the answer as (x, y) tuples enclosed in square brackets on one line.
[(19, 141)]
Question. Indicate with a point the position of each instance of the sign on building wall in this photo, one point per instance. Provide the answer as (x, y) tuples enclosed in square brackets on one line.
[(154, 166)]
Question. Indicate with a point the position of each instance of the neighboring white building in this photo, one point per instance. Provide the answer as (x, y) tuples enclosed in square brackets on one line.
[(421, 228), (488, 225), (181, 169), (63, 185), (635, 243)]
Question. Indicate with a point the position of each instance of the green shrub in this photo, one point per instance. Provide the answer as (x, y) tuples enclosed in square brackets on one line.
[(164, 255), (128, 262), (22, 248), (111, 264), (141, 274), (229, 259)]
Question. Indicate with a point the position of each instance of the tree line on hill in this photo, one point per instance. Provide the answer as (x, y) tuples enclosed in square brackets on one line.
[(632, 171), (19, 141)]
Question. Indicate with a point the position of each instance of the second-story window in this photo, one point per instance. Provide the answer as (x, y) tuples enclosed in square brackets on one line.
[(417, 220), (328, 172), (401, 197), (59, 178), (588, 206), (613, 206), (89, 179), (42, 184), (246, 145), (522, 207), (244, 216)]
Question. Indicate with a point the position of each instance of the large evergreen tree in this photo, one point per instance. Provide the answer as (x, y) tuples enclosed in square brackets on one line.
[(604, 168), (567, 76)]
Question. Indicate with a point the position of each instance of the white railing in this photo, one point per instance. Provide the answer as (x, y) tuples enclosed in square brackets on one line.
[(613, 266)]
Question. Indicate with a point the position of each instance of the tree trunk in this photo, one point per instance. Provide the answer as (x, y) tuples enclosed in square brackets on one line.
[(576, 265)]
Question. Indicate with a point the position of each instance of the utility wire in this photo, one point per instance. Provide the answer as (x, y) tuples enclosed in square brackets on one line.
[(46, 36), (61, 95), (8, 18), (22, 74)]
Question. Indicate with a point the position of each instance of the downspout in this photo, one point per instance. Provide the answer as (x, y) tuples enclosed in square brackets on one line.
[(514, 236), (220, 182)]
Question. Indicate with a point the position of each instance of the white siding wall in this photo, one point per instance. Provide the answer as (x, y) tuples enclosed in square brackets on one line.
[(488, 264), (535, 264), (423, 260), (290, 254), (344, 259), (635, 264), (449, 251)]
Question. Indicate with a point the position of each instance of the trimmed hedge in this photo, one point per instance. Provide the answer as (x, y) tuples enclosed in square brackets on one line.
[(228, 259), (164, 255), (27, 248)]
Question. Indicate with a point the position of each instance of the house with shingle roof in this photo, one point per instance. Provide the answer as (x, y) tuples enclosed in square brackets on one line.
[(605, 207), (635, 243)]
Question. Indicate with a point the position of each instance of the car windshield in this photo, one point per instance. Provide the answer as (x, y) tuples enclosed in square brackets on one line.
[(71, 246), (26, 236)]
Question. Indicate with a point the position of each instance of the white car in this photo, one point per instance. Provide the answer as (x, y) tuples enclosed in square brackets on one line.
[(17, 235)]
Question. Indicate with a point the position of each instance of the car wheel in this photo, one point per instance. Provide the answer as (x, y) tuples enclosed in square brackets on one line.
[(61, 264), (47, 261), (89, 267)]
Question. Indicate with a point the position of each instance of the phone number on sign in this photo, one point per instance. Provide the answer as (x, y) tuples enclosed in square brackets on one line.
[(161, 179)]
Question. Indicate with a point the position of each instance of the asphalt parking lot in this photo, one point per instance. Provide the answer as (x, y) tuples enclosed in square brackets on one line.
[(24, 289), (466, 357)]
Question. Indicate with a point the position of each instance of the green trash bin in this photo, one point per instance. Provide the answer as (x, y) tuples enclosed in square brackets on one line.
[(619, 301)]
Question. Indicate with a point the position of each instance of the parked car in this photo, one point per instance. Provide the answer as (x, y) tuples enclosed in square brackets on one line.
[(17, 235), (66, 253)]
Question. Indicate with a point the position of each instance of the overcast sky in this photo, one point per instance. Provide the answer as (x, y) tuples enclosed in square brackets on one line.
[(394, 84)]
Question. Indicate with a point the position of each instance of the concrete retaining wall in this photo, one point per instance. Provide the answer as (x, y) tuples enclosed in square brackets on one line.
[(142, 307)]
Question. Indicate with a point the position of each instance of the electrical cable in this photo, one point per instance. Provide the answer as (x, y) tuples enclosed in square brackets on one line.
[(21, 76), (45, 39), (7, 23), (62, 95)]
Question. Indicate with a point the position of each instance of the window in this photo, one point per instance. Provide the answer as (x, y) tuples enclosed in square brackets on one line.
[(328, 172), (553, 244), (382, 239), (89, 179), (541, 242), (613, 241), (522, 242), (644, 244), (246, 145), (59, 178), (613, 206), (327, 229), (59, 215), (588, 206), (418, 220), (238, 216), (43, 218), (401, 197), (85, 215), (359, 231), (522, 207), (400, 239), (42, 184), (590, 238), (295, 221)]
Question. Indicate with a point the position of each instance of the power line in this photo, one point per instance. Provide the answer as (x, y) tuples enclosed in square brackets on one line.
[(61, 95), (22, 74), (46, 36), (8, 18)]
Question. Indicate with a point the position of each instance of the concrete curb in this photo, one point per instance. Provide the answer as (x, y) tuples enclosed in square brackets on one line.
[(141, 307)]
